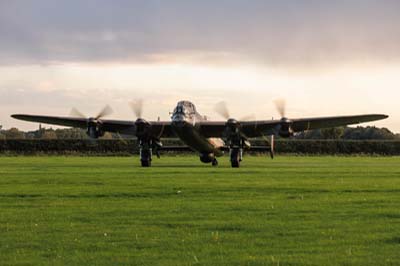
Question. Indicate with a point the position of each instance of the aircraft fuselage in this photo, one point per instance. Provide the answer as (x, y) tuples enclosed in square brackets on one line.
[(184, 120)]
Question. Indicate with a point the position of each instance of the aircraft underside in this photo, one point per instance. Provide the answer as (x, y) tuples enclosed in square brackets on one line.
[(207, 148)]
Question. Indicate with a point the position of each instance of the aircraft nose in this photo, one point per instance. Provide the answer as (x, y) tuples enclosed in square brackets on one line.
[(179, 120)]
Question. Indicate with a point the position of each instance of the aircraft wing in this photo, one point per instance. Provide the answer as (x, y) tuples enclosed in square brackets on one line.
[(334, 121), (250, 129), (259, 128), (54, 120), (163, 129), (159, 129)]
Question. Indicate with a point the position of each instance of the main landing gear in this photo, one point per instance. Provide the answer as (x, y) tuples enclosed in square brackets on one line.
[(208, 158), (148, 146), (235, 155), (236, 144), (145, 152)]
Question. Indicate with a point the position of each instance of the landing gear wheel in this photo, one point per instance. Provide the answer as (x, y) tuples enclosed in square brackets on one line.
[(235, 164), (145, 153), (145, 163), (235, 158), (214, 162)]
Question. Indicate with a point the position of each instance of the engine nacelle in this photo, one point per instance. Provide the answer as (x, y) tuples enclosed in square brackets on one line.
[(286, 133), (94, 131), (285, 130), (142, 128), (207, 157)]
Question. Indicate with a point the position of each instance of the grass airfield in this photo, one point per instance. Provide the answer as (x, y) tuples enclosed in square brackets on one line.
[(289, 211)]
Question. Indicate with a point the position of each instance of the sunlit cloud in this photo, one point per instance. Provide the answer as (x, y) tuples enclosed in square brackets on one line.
[(324, 57), (249, 90), (276, 33)]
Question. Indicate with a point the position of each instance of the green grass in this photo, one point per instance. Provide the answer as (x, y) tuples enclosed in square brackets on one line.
[(110, 211)]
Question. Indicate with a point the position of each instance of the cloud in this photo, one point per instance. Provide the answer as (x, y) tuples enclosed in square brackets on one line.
[(54, 90), (288, 32), (58, 54)]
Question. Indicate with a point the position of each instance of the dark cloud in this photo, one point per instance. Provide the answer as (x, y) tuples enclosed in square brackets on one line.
[(274, 32)]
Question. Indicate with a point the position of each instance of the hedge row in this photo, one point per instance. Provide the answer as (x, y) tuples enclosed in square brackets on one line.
[(126, 147), (338, 147)]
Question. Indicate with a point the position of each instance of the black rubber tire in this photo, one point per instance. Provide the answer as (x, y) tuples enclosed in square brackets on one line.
[(235, 164), (145, 163), (235, 161)]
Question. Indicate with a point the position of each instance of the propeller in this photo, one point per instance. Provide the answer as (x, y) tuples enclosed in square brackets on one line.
[(147, 142), (137, 107), (285, 127), (76, 113), (281, 106), (143, 127), (93, 123), (233, 132), (120, 138), (106, 111), (222, 109), (271, 143)]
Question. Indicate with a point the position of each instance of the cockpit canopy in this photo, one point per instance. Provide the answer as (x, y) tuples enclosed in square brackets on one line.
[(185, 107)]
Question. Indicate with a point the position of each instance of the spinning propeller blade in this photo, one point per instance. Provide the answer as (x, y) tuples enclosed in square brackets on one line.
[(137, 107), (106, 111), (76, 113), (222, 109), (281, 106)]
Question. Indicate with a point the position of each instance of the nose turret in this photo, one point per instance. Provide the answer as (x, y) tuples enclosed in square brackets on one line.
[(183, 113), (179, 115)]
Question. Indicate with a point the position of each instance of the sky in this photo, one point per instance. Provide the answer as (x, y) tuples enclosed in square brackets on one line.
[(324, 57)]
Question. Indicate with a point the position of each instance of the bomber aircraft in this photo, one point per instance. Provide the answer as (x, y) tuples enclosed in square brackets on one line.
[(208, 138)]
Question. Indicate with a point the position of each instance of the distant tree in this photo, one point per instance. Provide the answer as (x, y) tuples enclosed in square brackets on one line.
[(14, 133), (71, 133), (351, 133), (49, 134), (365, 133), (332, 133), (309, 134), (107, 135)]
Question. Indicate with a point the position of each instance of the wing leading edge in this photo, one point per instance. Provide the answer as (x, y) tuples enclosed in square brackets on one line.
[(159, 128), (208, 128), (259, 128), (334, 121), (53, 120)]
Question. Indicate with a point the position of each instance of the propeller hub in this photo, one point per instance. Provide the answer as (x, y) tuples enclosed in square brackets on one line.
[(94, 124), (232, 124), (141, 121), (285, 128), (142, 127), (285, 120), (232, 121)]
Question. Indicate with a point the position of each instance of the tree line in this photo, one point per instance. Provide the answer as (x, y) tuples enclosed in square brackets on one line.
[(346, 140), (339, 133), (113, 147)]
